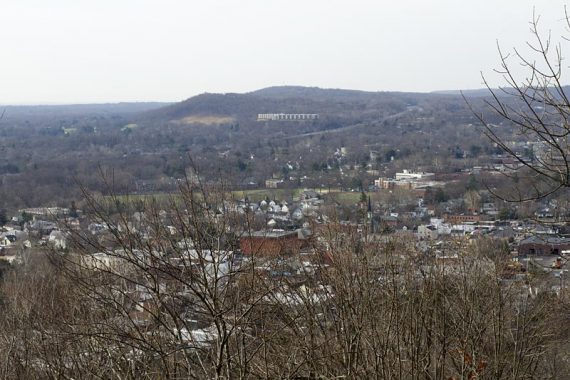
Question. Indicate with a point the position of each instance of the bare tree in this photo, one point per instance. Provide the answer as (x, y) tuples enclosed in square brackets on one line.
[(376, 309), (158, 291), (536, 107)]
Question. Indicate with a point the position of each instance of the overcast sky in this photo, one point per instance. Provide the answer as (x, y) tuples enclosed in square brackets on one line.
[(79, 51)]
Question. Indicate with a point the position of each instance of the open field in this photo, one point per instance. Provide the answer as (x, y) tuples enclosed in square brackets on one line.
[(206, 119), (161, 199), (279, 194), (256, 195), (346, 197)]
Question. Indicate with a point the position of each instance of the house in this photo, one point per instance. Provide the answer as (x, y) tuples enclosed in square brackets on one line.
[(43, 227), (428, 232), (273, 183), (490, 209), (309, 195), (57, 239), (5, 241), (96, 228)]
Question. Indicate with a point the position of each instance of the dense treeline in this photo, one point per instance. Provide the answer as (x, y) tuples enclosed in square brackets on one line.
[(45, 150)]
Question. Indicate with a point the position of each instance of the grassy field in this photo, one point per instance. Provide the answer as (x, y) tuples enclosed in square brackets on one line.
[(162, 199), (346, 197), (257, 195), (207, 120), (342, 197), (279, 194)]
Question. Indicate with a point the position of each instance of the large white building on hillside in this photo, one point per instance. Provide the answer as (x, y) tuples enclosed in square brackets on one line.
[(287, 116)]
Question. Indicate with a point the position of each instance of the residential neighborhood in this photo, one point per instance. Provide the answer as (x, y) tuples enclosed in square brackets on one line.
[(284, 190)]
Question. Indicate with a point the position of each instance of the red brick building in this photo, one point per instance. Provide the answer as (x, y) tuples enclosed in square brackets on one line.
[(271, 243), (544, 245), (458, 219)]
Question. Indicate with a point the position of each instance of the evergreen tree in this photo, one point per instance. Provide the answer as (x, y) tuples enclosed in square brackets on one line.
[(3, 217), (73, 210)]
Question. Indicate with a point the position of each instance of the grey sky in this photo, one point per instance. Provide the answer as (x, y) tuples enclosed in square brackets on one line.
[(77, 51)]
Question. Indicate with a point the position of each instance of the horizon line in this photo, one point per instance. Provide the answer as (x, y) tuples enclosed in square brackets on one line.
[(84, 103)]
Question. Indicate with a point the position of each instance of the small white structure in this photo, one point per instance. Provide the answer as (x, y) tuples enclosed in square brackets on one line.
[(58, 240)]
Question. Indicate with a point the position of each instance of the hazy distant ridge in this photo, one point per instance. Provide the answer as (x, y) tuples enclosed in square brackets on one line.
[(291, 99)]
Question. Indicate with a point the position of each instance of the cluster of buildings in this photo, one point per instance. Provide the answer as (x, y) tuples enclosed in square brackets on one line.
[(292, 238), (532, 247), (46, 227), (407, 180)]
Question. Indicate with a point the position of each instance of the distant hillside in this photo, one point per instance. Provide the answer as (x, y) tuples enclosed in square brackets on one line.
[(481, 92), (340, 95), (281, 92), (81, 109), (484, 92), (149, 145), (241, 106), (293, 99)]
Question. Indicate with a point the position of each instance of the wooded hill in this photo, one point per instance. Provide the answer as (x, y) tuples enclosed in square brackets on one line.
[(48, 149)]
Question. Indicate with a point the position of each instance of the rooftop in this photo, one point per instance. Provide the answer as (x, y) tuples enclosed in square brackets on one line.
[(271, 234)]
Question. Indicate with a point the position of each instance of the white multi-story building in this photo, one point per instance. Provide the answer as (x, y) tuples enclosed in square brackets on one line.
[(287, 116), (409, 175)]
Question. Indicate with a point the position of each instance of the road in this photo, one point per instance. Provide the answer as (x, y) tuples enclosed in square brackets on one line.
[(347, 128)]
